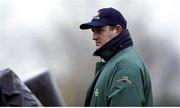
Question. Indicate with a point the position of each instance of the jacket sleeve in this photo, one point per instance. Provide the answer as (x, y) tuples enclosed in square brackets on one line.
[(125, 87)]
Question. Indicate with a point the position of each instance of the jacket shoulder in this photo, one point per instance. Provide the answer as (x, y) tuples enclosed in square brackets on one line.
[(127, 61)]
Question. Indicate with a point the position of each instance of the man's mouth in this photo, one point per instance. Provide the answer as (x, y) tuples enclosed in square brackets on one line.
[(97, 43)]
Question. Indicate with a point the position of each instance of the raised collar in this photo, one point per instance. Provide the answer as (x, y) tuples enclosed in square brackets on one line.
[(111, 48)]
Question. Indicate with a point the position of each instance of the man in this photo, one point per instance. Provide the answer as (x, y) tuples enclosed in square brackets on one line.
[(123, 79)]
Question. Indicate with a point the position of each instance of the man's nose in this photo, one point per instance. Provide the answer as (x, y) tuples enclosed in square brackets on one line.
[(94, 36)]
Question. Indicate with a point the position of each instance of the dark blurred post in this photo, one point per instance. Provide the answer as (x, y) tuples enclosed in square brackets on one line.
[(43, 87)]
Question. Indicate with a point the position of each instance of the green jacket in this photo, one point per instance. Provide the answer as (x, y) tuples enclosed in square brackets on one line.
[(121, 81)]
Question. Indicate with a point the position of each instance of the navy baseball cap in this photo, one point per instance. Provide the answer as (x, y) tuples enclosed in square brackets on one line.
[(106, 16)]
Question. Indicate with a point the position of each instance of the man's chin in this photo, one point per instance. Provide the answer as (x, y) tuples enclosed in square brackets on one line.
[(98, 47)]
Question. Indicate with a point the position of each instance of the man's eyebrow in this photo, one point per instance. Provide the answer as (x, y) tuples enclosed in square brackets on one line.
[(100, 28)]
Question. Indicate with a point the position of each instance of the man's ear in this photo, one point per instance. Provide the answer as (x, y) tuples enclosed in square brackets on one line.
[(118, 29)]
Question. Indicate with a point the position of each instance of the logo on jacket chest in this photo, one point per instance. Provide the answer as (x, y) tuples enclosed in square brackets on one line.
[(96, 93)]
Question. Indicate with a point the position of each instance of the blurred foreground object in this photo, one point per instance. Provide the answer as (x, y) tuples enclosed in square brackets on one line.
[(43, 87), (13, 92)]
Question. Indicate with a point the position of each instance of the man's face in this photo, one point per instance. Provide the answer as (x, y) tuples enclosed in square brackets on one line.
[(102, 35)]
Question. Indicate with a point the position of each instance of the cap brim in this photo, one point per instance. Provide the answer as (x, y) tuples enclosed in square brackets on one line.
[(91, 24)]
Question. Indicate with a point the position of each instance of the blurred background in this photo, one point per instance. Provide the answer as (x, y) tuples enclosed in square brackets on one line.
[(41, 35)]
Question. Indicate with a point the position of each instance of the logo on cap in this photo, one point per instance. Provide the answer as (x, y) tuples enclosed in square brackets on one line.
[(97, 16)]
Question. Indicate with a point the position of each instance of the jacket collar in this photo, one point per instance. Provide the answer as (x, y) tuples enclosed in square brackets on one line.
[(111, 48)]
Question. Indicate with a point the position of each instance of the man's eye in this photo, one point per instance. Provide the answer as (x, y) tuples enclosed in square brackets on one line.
[(100, 30)]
